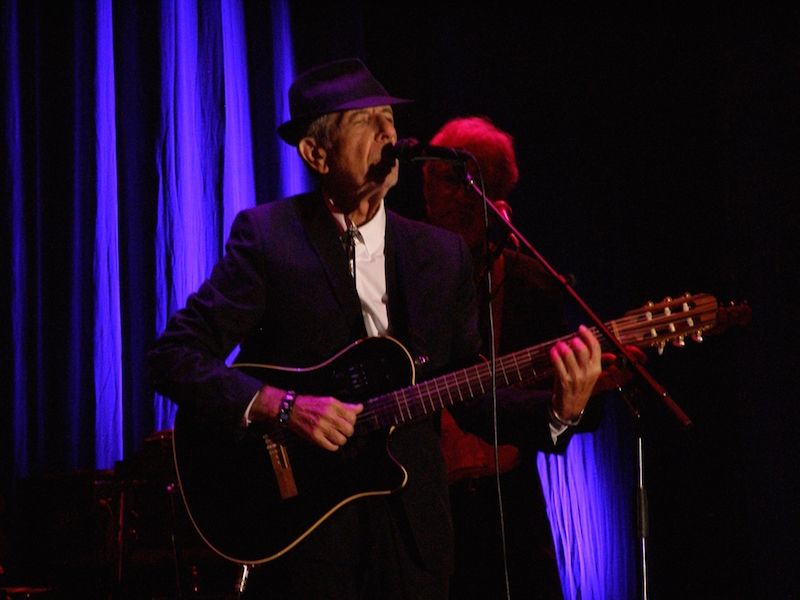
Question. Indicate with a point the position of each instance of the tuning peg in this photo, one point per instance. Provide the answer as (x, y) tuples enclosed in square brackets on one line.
[(660, 347), (679, 342), (697, 336)]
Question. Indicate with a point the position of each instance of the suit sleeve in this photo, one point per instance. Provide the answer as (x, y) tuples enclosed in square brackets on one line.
[(187, 361)]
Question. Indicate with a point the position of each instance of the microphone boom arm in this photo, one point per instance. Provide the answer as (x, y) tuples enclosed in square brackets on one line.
[(628, 360)]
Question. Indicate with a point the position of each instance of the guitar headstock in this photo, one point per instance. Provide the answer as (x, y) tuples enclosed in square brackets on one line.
[(671, 320)]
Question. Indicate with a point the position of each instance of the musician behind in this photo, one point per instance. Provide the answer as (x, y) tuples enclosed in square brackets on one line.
[(304, 284), (527, 307)]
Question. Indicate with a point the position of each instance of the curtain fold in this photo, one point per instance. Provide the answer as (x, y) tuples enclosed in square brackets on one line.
[(204, 157), (589, 492), (294, 176), (18, 313), (238, 179), (107, 317)]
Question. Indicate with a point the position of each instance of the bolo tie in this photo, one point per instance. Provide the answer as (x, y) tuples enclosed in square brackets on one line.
[(349, 239)]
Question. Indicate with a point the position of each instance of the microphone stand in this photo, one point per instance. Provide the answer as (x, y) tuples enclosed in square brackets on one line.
[(625, 358)]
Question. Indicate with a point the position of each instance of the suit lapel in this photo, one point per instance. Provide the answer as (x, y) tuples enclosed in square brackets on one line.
[(324, 237), (395, 269)]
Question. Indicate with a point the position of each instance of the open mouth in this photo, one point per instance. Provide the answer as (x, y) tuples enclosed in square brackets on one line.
[(381, 169)]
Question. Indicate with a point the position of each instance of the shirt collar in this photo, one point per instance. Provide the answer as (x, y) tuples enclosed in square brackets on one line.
[(372, 232)]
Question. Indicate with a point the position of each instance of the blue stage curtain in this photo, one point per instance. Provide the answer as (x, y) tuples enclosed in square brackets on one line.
[(49, 163), (18, 313), (107, 313), (127, 151), (187, 241), (589, 493), (294, 176)]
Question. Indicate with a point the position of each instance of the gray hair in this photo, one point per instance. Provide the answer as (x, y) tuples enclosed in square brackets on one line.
[(320, 128)]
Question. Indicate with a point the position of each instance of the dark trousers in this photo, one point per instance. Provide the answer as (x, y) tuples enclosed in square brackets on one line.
[(363, 551), (532, 568)]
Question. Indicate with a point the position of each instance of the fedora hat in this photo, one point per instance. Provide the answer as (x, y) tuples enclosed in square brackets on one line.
[(332, 87)]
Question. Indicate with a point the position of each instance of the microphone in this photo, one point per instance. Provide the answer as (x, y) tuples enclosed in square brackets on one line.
[(504, 209), (411, 150)]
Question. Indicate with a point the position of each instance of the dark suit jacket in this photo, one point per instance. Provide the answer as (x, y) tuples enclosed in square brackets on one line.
[(284, 294)]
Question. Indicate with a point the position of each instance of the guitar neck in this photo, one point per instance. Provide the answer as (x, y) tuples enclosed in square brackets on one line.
[(652, 325), (528, 366)]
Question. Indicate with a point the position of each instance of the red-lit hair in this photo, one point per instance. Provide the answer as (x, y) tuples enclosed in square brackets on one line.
[(492, 147)]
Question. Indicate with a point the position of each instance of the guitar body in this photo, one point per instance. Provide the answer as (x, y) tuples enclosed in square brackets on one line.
[(229, 480), (252, 498)]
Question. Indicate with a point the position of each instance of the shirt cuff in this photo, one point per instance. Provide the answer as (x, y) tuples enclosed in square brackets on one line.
[(558, 425), (246, 420), (556, 430)]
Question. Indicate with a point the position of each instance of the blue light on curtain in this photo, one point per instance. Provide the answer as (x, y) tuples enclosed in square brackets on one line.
[(238, 185), (294, 177), (19, 266), (191, 200), (181, 250), (589, 493), (107, 321)]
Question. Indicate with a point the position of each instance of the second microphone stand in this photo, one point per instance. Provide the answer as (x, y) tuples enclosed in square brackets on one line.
[(624, 356)]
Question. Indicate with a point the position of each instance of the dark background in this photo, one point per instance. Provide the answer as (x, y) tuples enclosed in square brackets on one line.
[(658, 155)]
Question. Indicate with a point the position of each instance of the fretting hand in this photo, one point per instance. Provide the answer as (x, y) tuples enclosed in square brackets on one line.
[(577, 364)]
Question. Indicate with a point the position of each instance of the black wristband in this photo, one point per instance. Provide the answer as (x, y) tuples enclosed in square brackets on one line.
[(285, 410)]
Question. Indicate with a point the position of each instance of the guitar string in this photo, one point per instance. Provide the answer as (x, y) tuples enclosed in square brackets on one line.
[(415, 395), (412, 396), (391, 408)]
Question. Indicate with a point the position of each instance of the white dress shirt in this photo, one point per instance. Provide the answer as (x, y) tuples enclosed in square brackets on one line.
[(370, 275)]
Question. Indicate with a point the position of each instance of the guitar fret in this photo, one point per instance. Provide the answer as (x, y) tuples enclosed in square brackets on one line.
[(505, 374), (458, 388), (423, 391), (420, 408), (449, 394), (438, 394), (408, 398), (469, 387), (516, 365), (466, 387), (415, 394), (426, 402), (400, 403), (436, 399)]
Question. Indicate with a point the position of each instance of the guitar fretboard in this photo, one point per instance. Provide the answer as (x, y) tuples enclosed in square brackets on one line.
[(653, 325)]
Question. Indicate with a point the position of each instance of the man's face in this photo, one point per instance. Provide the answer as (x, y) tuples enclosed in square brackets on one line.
[(451, 204), (358, 164)]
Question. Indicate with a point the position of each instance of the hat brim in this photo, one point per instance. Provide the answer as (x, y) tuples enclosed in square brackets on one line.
[(293, 130)]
